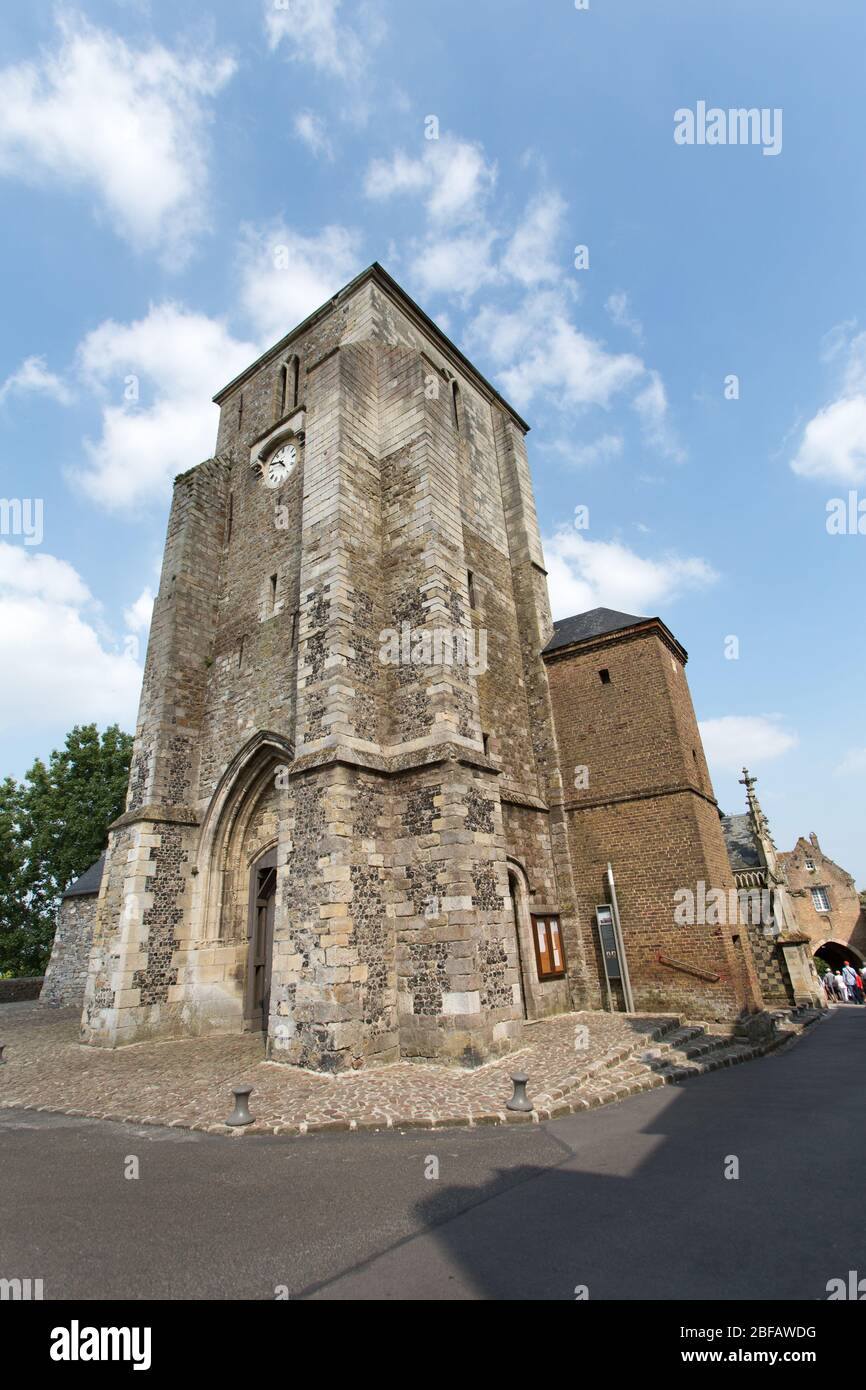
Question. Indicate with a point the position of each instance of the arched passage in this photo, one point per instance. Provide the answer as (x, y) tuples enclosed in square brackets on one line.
[(834, 954)]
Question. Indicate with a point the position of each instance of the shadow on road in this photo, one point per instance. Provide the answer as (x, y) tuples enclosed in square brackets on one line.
[(744, 1184)]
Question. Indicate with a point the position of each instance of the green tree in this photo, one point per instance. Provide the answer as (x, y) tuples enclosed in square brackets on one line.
[(15, 944), (63, 812)]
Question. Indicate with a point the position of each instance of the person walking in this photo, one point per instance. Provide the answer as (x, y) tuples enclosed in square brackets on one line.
[(841, 987), (852, 980), (829, 983)]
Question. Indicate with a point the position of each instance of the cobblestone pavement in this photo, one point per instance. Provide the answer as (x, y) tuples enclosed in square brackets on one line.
[(188, 1082)]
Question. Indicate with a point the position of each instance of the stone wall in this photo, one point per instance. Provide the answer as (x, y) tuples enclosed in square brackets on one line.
[(66, 973), (773, 977), (21, 988), (845, 922), (404, 798)]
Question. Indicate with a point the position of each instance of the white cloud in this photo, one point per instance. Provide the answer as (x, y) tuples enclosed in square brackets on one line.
[(834, 443), (314, 31), (738, 740), (285, 275), (853, 764), (584, 574), (454, 174), (539, 352), (459, 251), (311, 129), (457, 265), (530, 257), (651, 405), (617, 305), (178, 359), (126, 123), (33, 376), (138, 615), (51, 655), (601, 450), (40, 576)]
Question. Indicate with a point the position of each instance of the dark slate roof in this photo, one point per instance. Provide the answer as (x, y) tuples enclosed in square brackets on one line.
[(740, 839), (89, 881), (596, 623)]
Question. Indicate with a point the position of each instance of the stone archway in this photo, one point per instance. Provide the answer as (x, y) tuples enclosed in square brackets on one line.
[(835, 954), (243, 827)]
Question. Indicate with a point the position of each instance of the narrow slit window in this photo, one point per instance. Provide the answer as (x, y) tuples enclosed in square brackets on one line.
[(470, 584), (604, 676), (240, 409), (283, 391), (230, 518), (241, 654), (296, 379), (455, 405), (273, 595)]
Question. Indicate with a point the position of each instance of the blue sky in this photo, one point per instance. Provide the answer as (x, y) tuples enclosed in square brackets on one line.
[(153, 156)]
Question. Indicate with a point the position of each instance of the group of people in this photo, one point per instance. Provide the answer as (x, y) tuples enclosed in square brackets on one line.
[(845, 986)]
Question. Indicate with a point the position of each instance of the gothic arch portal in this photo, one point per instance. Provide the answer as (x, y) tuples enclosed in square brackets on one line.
[(241, 824)]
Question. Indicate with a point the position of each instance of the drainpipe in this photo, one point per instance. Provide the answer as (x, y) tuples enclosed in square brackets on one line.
[(620, 944)]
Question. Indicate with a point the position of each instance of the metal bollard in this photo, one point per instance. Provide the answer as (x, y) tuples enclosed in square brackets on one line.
[(241, 1113), (520, 1100)]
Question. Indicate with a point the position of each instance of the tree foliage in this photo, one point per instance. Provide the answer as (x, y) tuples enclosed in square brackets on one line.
[(53, 826)]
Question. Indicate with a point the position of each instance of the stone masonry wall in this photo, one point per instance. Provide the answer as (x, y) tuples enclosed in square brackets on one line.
[(393, 923), (66, 972)]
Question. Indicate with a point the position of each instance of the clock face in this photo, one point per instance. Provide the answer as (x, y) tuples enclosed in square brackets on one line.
[(281, 465)]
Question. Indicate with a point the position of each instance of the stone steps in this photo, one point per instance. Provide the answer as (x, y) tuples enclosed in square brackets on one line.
[(677, 1052)]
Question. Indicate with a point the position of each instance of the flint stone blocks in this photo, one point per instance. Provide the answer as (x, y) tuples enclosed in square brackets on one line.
[(414, 810)]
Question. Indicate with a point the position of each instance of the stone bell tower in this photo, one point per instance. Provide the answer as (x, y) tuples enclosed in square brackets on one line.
[(344, 823)]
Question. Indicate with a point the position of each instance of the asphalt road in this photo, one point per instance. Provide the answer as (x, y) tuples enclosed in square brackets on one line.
[(630, 1201)]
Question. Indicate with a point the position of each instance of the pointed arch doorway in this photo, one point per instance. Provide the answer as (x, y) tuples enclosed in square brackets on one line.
[(262, 910)]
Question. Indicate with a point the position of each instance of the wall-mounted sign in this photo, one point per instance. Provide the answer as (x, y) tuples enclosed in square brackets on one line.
[(549, 955)]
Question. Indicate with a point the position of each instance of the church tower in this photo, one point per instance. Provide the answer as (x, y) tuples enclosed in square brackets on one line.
[(345, 822)]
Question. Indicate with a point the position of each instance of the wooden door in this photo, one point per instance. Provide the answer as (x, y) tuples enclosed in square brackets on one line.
[(263, 896)]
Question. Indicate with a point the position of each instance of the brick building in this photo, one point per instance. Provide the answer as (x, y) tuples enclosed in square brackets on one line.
[(638, 797), (816, 910), (826, 905), (353, 820)]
